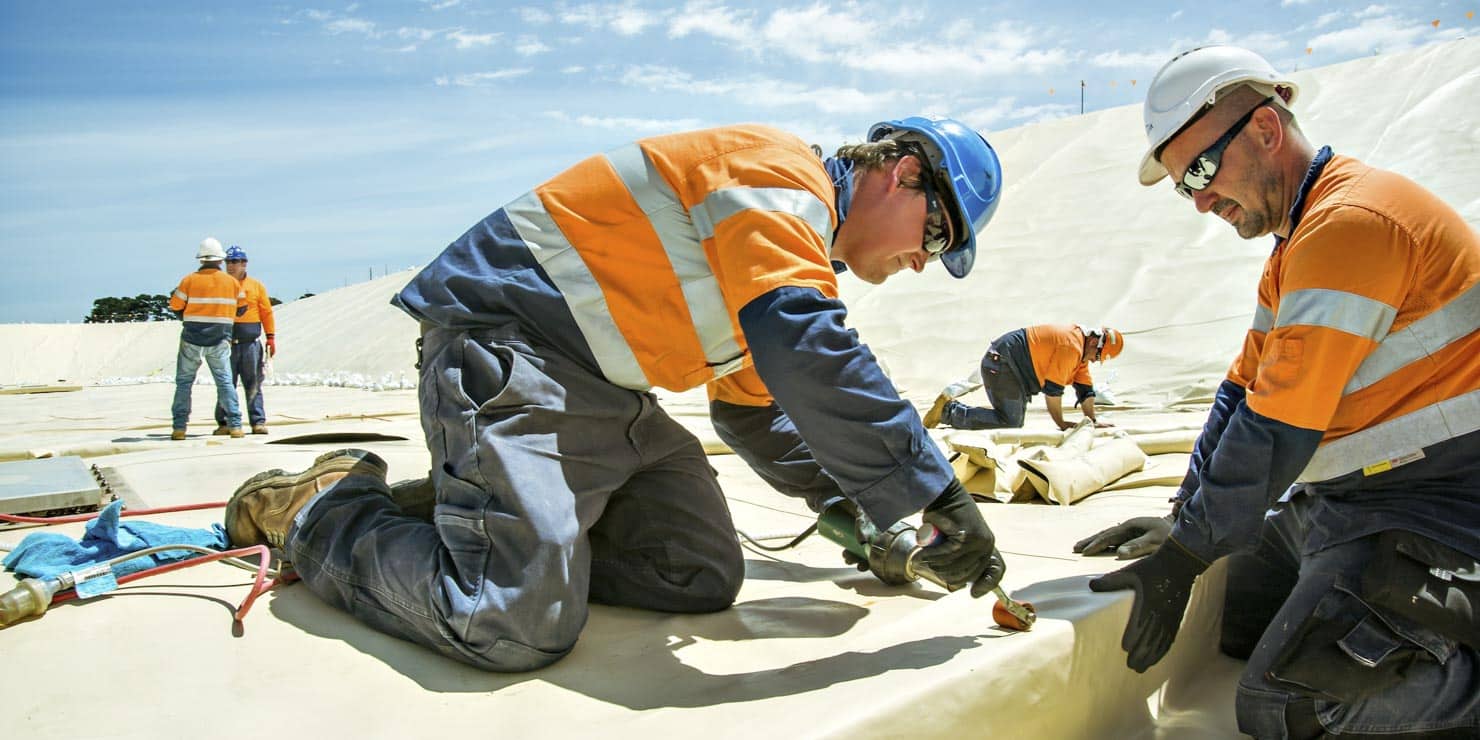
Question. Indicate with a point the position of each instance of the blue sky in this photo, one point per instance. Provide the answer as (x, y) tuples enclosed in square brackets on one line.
[(338, 140)]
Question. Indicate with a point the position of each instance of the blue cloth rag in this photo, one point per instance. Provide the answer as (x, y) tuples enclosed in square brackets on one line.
[(45, 554)]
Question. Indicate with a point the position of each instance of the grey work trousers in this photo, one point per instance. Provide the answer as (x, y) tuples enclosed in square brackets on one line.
[(1004, 390), (553, 487), (1361, 669)]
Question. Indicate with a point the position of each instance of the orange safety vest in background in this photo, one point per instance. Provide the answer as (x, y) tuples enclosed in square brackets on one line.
[(259, 306), (208, 296), (1058, 354), (1368, 324)]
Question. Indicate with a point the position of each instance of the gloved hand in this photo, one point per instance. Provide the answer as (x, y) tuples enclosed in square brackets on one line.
[(1132, 538), (1162, 582), (965, 550), (271, 345)]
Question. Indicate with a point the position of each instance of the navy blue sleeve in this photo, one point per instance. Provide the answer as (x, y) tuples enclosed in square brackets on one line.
[(864, 435), (1083, 391), (1230, 396), (1051, 388), (765, 438), (1255, 460)]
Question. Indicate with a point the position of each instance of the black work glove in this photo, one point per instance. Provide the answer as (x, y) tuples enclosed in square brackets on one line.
[(965, 550), (1162, 583), (1132, 538)]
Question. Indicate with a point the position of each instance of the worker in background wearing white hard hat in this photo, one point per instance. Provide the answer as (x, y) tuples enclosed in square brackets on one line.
[(208, 301), (1022, 363), (1359, 383)]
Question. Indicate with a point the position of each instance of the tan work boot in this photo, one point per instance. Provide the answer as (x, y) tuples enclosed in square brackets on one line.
[(221, 431), (259, 429), (262, 509), (237, 433), (177, 434), (932, 417)]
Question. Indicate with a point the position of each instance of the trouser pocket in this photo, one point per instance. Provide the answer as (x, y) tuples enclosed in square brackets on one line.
[(1348, 649), (1427, 582)]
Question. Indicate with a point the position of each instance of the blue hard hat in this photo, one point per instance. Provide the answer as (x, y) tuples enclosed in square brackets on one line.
[(234, 252), (964, 160)]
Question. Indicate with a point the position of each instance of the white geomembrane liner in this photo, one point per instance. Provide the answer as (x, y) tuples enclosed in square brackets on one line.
[(811, 648)]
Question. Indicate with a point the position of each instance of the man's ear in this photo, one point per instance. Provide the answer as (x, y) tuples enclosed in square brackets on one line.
[(906, 169), (1269, 129)]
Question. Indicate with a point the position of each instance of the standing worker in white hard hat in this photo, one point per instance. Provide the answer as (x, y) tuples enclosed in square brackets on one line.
[(253, 340), (208, 301), (1359, 383), (1047, 359), (706, 258)]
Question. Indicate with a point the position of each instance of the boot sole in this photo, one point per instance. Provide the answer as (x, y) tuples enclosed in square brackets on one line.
[(337, 461)]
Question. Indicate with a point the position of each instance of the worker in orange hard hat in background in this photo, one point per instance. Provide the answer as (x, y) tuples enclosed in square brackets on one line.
[(1018, 365), (1351, 593)]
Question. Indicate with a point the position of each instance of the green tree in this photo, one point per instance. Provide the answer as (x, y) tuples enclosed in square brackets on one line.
[(143, 307)]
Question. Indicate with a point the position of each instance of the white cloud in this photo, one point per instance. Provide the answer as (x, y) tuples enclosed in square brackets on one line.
[(1288, 3), (626, 19), (1175, 16), (713, 19), (814, 33), (1327, 19), (441, 4), (620, 123), (480, 79), (1388, 33), (535, 16), (1130, 60), (573, 69), (1372, 11), (763, 92), (350, 25), (465, 40), (529, 46), (1006, 112), (416, 34)]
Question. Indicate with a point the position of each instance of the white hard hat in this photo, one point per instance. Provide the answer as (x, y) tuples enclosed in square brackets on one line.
[(1192, 80), (210, 250)]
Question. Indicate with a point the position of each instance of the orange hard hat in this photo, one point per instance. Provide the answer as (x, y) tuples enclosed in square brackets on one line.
[(1111, 344)]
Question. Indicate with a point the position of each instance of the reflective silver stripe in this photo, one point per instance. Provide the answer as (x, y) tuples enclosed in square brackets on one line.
[(209, 320), (213, 301), (568, 271), (1395, 438), (1263, 319), (1336, 309), (182, 295), (722, 204), (1455, 320), (680, 242)]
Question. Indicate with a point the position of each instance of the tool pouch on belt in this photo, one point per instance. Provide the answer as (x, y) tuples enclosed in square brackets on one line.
[(1430, 583)]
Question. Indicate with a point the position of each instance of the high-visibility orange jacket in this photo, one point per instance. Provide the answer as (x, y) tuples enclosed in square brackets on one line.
[(258, 316), (695, 259), (1058, 356), (1366, 343), (209, 301)]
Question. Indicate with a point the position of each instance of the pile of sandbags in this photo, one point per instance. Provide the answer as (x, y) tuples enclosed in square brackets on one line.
[(1064, 467)]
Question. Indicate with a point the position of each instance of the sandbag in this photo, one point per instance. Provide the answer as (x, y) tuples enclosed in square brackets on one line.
[(1066, 480)]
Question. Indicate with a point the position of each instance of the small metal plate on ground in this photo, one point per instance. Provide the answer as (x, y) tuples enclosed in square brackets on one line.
[(47, 484)]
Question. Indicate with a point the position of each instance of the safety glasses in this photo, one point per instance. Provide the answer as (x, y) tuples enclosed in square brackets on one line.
[(1204, 167), (939, 235)]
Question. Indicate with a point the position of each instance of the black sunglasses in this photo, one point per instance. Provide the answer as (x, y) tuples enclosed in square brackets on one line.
[(1204, 168), (939, 235)]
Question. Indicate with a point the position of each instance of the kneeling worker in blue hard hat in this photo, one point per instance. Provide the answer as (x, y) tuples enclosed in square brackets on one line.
[(696, 259), (1352, 592)]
